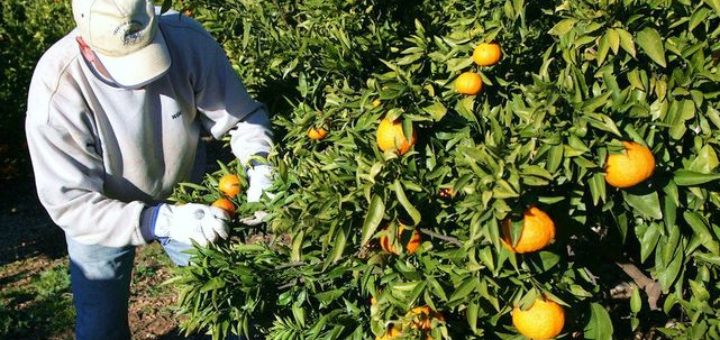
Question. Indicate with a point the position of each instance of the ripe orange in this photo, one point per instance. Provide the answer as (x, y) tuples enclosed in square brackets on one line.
[(390, 136), (446, 193), (317, 134), (229, 185), (543, 320), (411, 246), (225, 204), (487, 54), (469, 83), (538, 231), (631, 167), (422, 317)]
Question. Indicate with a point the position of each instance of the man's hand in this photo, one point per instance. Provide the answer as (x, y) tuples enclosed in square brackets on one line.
[(198, 222), (260, 178), (255, 219)]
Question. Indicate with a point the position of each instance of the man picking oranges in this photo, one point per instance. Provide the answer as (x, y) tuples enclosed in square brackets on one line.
[(115, 113)]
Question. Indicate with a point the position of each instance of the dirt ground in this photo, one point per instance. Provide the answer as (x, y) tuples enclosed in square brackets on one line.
[(35, 299)]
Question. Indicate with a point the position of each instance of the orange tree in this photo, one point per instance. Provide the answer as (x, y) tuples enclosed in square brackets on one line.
[(567, 190)]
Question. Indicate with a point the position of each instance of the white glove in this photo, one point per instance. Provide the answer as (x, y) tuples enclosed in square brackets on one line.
[(255, 219), (260, 178), (198, 222)]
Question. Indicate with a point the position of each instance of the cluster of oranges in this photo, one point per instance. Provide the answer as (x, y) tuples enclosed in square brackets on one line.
[(229, 186), (544, 319), (485, 54)]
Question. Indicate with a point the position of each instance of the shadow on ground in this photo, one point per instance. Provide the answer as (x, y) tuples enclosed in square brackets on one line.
[(27, 230)]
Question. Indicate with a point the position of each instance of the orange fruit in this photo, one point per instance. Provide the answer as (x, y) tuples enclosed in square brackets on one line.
[(543, 320), (229, 185), (392, 333), (631, 167), (469, 83), (538, 231), (411, 246), (422, 317), (487, 54), (317, 134), (225, 204), (390, 137), (446, 193)]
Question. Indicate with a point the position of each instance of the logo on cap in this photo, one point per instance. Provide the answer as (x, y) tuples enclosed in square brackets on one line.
[(132, 32)]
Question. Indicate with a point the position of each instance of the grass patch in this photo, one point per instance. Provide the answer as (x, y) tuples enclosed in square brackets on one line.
[(40, 308)]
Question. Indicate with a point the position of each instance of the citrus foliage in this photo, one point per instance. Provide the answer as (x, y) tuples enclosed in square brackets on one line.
[(27, 29), (576, 79)]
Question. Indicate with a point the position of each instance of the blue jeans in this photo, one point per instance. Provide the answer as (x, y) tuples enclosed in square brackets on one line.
[(100, 278)]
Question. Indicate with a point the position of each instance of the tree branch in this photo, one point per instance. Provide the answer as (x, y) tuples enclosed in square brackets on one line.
[(448, 239), (652, 288)]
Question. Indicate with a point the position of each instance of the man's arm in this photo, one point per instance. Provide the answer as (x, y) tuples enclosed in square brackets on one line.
[(69, 177), (224, 104)]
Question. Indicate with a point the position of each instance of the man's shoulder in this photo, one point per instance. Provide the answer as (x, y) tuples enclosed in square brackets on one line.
[(174, 24), (56, 61), (60, 54), (51, 75)]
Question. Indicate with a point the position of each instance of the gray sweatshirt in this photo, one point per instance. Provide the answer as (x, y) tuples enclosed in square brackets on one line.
[(101, 154)]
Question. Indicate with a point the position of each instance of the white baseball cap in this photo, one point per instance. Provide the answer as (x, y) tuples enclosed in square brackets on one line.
[(124, 35)]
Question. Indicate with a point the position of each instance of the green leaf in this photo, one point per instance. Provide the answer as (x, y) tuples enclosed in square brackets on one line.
[(339, 247), (375, 214), (297, 246), (437, 110), (603, 48), (613, 39), (685, 177), (464, 290), (635, 300), (666, 276), (698, 17), (213, 284), (411, 210), (627, 42), (706, 160), (407, 128), (680, 112), (327, 297), (598, 188), (700, 228), (648, 204), (600, 326), (651, 42), (715, 4), (563, 27), (648, 240), (472, 313)]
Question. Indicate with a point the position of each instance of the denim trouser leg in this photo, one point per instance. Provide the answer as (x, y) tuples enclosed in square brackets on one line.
[(100, 279)]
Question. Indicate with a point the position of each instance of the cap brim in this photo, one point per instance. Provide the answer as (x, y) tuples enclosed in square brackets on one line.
[(140, 67)]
